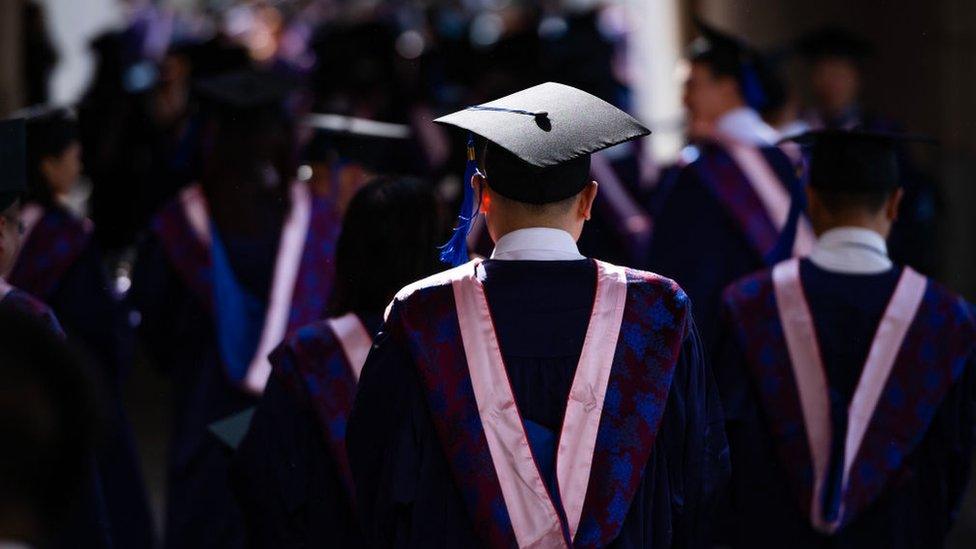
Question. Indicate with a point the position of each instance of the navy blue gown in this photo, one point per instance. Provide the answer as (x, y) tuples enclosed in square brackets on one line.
[(406, 494), (285, 477), (917, 507), (65, 268), (698, 241)]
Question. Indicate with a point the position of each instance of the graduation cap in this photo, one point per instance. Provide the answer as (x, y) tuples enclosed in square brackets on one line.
[(854, 160), (833, 42), (538, 146), (232, 429), (730, 56), (13, 170), (382, 147)]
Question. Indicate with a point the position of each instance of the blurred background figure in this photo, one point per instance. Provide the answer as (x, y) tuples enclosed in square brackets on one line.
[(232, 265), (725, 213), (294, 456), (62, 265)]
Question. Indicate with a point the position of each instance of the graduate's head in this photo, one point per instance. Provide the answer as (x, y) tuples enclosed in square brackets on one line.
[(515, 195), (344, 153), (53, 155), (725, 73), (249, 135), (389, 239), (835, 58), (48, 423), (13, 183), (853, 179), (533, 151)]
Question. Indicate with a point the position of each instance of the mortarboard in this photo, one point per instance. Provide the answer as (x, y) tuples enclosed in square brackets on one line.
[(538, 146), (729, 55), (833, 42), (382, 147), (13, 170), (855, 160)]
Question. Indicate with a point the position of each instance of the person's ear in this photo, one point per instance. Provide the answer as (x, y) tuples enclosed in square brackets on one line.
[(587, 196), (893, 204), (480, 186)]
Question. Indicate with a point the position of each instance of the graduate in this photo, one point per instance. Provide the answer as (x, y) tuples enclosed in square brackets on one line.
[(722, 215), (13, 184), (60, 263), (836, 62), (292, 474), (538, 397), (847, 380), (232, 265)]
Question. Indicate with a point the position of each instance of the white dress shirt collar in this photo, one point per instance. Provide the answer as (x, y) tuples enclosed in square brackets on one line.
[(537, 244), (851, 250), (746, 126)]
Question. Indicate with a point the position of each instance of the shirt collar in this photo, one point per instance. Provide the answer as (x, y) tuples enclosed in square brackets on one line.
[(745, 125), (851, 250), (537, 244)]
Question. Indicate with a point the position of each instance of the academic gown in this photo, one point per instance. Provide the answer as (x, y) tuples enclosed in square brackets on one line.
[(918, 503), (61, 264), (173, 289), (406, 493), (710, 227), (290, 487)]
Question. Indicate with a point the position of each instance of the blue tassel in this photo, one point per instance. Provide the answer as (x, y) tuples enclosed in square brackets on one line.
[(752, 89), (455, 251)]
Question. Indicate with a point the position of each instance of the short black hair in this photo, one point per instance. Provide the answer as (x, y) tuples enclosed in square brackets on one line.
[(389, 239), (840, 202), (49, 419), (517, 180), (48, 135)]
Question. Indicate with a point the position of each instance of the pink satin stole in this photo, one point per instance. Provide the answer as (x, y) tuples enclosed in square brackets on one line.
[(811, 380), (775, 199), (354, 340), (287, 264), (535, 520)]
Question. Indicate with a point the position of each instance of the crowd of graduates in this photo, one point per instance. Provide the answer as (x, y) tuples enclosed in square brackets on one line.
[(247, 199)]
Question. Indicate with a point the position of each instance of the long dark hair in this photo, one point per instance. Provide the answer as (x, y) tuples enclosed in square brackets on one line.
[(389, 238)]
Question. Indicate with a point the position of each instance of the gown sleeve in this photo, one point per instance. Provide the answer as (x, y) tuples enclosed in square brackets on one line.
[(693, 457)]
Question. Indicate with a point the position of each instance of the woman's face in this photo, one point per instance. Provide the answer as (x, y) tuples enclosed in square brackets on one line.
[(63, 171)]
